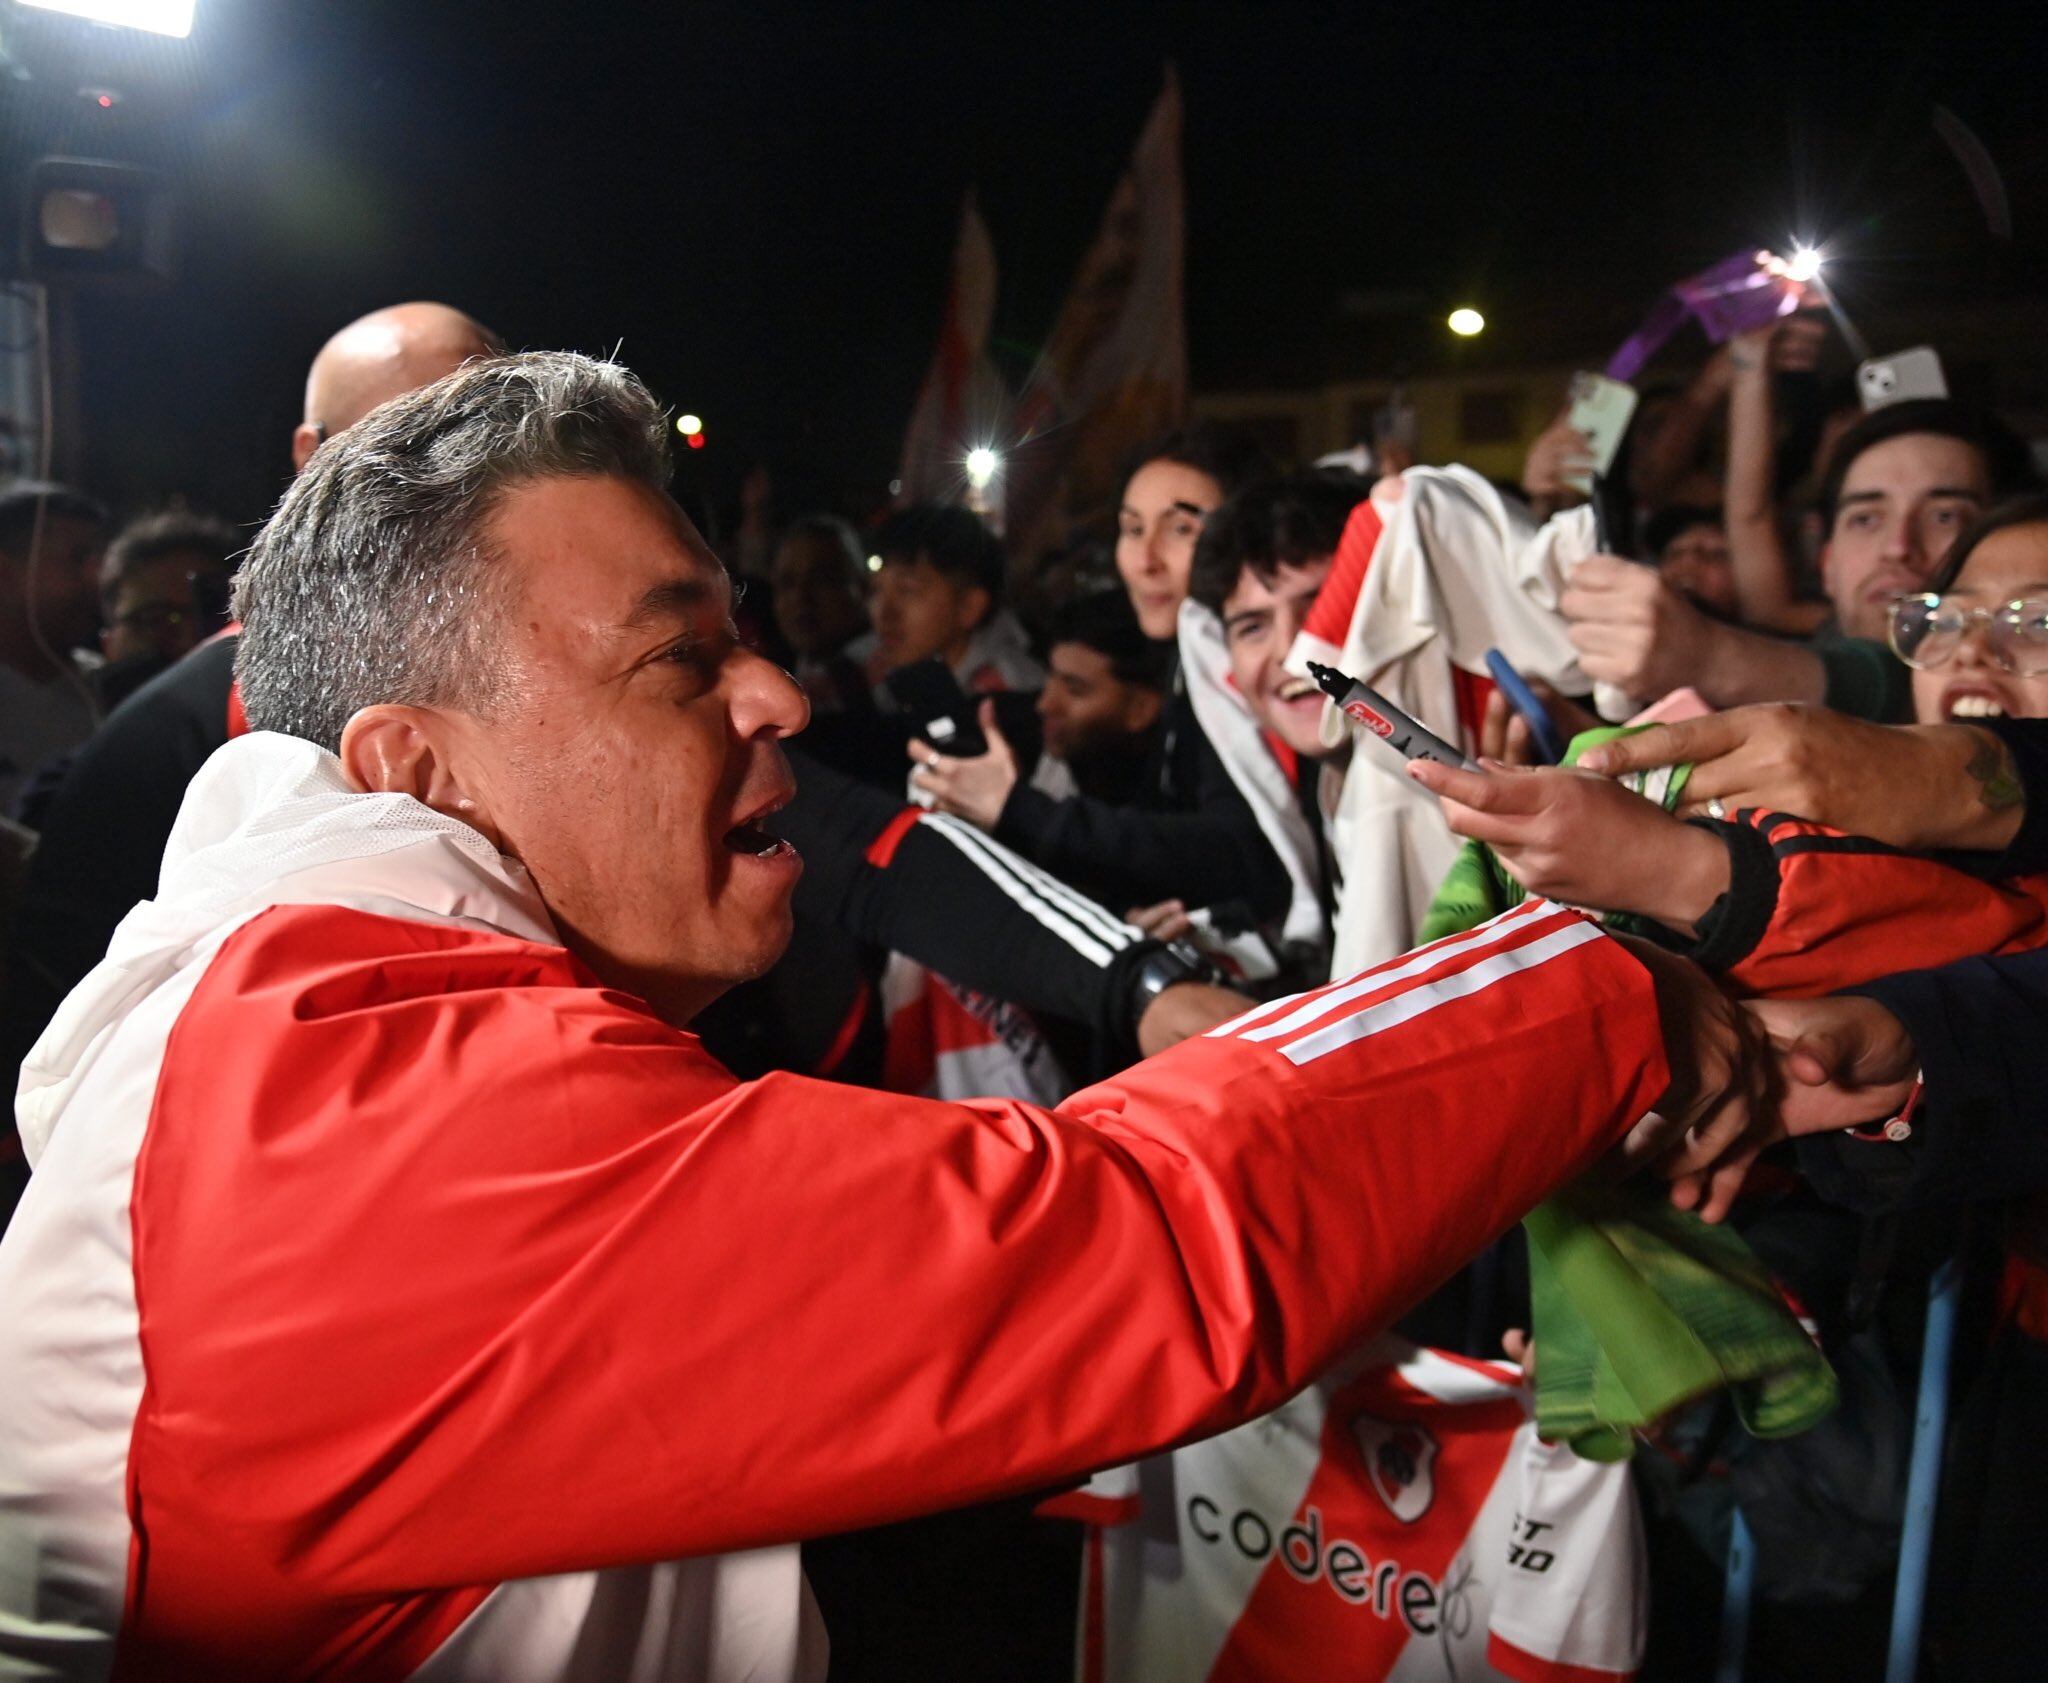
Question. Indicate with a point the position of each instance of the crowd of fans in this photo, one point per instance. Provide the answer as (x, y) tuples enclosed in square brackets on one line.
[(1837, 621)]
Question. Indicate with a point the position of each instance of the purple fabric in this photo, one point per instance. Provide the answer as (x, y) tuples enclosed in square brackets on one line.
[(1738, 293)]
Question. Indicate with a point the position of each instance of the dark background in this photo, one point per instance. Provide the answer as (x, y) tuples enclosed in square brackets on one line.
[(754, 204)]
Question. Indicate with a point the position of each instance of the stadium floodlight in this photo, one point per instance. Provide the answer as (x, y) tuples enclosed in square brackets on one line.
[(159, 17)]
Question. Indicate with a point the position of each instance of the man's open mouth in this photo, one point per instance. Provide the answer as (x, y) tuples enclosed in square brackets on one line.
[(753, 837), (752, 834)]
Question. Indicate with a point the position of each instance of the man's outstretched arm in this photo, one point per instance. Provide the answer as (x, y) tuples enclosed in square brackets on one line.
[(520, 1281)]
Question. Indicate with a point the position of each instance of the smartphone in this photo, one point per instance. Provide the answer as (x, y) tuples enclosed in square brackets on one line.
[(1601, 409), (945, 712), (1525, 702), (1611, 535), (1898, 379)]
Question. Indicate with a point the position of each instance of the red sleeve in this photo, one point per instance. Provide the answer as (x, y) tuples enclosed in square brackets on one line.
[(498, 1276), (1849, 910)]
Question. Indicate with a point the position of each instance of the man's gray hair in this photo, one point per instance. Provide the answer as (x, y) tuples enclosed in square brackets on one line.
[(374, 580)]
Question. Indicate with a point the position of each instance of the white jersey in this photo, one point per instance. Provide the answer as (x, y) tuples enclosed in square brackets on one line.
[(1399, 1520)]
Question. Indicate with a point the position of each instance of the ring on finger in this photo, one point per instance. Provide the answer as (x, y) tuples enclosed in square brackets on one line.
[(1716, 810)]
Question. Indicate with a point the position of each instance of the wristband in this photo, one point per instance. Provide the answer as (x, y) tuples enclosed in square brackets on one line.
[(1895, 1129), (1170, 964), (1729, 930)]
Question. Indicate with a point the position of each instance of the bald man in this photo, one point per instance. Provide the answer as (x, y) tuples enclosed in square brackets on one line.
[(383, 355), (103, 837)]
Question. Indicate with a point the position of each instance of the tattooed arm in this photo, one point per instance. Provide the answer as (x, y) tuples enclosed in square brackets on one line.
[(1925, 787)]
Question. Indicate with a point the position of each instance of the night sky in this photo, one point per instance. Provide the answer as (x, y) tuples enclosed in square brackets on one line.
[(757, 202)]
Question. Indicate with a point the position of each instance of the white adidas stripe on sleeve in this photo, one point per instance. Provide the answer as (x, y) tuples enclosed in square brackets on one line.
[(1086, 927), (1315, 1002), (1417, 1002)]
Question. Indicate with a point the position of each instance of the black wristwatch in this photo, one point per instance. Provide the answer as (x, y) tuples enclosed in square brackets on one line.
[(1167, 965)]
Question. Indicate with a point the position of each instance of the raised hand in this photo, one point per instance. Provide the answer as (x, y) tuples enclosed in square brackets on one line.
[(977, 787), (1632, 630)]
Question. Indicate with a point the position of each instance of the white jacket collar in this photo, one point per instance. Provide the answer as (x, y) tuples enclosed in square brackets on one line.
[(270, 820)]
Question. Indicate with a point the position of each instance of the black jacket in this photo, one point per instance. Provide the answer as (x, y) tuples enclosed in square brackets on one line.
[(1981, 1133), (1189, 836)]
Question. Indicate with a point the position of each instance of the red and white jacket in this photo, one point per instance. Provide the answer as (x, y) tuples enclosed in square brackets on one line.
[(1841, 909), (392, 1299)]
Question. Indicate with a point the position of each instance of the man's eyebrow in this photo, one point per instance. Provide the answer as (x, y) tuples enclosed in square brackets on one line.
[(1968, 493), (671, 599), (1849, 497), (1244, 615), (1189, 508)]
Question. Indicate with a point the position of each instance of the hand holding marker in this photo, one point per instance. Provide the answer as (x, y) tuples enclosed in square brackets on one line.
[(1385, 722)]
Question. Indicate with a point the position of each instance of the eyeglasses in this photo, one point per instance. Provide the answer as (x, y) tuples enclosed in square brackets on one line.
[(1927, 630)]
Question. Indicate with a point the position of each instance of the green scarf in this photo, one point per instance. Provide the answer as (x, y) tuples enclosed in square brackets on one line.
[(1637, 1308)]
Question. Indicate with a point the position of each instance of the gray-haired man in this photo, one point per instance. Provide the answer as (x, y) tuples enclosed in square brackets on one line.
[(403, 1291)]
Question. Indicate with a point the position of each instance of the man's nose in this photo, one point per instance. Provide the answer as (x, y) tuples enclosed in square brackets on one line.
[(765, 699)]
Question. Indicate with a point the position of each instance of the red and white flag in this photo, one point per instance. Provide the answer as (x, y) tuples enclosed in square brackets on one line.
[(1115, 371), (963, 404)]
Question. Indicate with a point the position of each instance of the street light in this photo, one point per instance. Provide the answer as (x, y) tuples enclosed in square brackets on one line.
[(982, 463), (1466, 322)]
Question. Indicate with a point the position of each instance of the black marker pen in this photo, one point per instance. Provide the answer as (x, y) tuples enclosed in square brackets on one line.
[(1384, 721)]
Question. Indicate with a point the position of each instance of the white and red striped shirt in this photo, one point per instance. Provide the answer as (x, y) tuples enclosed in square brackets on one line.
[(392, 1299), (1399, 1519)]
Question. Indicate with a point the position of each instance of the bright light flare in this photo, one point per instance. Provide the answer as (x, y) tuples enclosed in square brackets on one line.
[(159, 17), (982, 463), (1466, 323), (1804, 264), (689, 425)]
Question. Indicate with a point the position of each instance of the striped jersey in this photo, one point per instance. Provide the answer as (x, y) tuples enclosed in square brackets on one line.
[(1398, 1519)]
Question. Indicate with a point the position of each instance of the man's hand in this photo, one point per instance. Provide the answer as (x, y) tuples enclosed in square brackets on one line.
[(1185, 1010), (1632, 630), (1716, 1115), (1846, 1061), (1166, 921), (1574, 837), (1504, 733), (1913, 786), (1560, 451), (975, 788), (1837, 1063), (1790, 345)]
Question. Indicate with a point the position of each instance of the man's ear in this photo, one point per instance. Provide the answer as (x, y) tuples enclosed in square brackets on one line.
[(395, 750), (306, 437), (1141, 708)]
